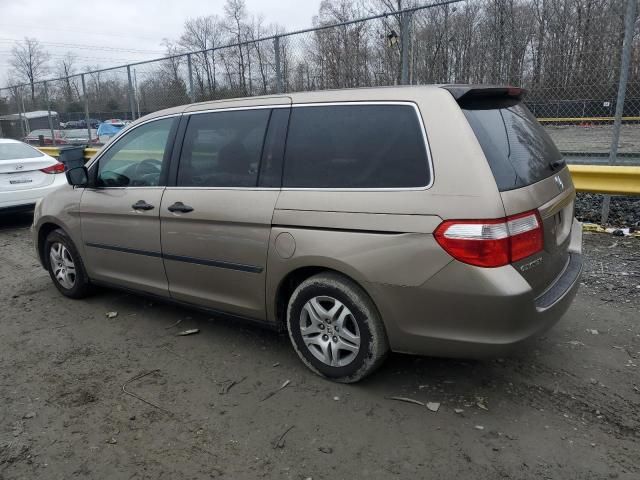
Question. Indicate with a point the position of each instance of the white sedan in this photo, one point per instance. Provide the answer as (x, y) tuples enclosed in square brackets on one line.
[(26, 175)]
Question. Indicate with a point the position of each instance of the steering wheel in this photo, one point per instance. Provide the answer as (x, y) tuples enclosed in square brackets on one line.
[(147, 166), (113, 179)]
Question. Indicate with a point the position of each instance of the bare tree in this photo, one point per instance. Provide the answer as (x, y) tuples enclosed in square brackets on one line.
[(66, 69), (29, 61), (236, 13), (201, 34)]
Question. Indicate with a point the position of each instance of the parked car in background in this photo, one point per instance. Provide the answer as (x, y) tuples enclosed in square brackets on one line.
[(107, 130), (434, 220), (92, 122), (71, 124), (77, 124), (81, 137), (34, 137), (26, 175)]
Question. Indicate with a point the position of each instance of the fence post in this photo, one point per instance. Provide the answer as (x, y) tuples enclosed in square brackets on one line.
[(46, 99), (192, 94), (86, 106), (276, 49), (131, 102), (625, 60), (18, 96), (405, 39)]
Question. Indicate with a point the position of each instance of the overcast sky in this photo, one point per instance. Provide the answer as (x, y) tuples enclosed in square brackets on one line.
[(119, 25)]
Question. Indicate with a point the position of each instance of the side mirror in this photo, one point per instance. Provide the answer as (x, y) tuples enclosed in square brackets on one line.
[(78, 176)]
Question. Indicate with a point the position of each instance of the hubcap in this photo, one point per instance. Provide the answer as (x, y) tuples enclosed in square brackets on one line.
[(62, 266), (330, 331)]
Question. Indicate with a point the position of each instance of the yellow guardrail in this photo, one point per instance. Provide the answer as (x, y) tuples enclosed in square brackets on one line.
[(606, 179), (54, 152), (615, 180)]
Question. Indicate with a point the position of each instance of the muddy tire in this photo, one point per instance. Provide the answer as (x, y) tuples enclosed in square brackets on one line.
[(335, 328), (65, 265)]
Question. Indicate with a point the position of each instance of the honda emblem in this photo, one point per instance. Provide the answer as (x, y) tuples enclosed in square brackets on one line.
[(559, 183)]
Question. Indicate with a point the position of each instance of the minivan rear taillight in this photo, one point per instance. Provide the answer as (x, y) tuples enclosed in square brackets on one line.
[(492, 243), (55, 168)]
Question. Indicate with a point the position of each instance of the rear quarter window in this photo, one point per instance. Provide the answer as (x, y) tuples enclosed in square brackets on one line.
[(355, 146), (518, 149)]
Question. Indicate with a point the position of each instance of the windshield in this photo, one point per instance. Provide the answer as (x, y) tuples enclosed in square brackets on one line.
[(17, 151), (518, 149)]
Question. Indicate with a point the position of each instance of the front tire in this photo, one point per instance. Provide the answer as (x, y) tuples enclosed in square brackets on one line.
[(65, 265), (335, 328)]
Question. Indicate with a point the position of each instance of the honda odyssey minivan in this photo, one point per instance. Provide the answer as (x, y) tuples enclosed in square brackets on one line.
[(431, 220)]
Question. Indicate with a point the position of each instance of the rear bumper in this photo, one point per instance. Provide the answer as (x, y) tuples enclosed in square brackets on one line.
[(470, 312), (29, 197)]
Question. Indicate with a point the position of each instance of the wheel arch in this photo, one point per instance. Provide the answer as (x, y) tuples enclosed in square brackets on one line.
[(295, 277), (44, 229)]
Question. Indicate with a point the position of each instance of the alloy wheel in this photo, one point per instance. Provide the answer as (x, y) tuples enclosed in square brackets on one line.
[(62, 265), (330, 331)]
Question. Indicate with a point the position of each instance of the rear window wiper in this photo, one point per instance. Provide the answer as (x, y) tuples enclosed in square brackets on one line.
[(555, 165)]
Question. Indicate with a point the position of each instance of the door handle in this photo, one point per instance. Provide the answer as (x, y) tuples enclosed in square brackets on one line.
[(142, 205), (180, 207)]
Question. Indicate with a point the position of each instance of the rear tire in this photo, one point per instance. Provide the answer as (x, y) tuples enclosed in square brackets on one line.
[(335, 328), (65, 265)]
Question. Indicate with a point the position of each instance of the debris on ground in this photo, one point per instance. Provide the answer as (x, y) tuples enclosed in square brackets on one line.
[(433, 406), (138, 377), (408, 400), (175, 324), (271, 394), (616, 232), (191, 331), (327, 450), (229, 384), (481, 403), (479, 427), (592, 331), (28, 415), (111, 314), (279, 442), (458, 410)]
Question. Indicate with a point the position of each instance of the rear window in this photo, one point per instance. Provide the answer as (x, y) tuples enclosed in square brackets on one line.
[(517, 148), (17, 151), (355, 146)]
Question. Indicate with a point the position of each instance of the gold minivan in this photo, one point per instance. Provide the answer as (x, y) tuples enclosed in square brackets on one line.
[(431, 220)]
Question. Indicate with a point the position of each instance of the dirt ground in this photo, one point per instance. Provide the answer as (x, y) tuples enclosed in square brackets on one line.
[(566, 408)]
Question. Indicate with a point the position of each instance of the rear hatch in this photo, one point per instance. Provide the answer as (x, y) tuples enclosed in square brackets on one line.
[(21, 167), (529, 171)]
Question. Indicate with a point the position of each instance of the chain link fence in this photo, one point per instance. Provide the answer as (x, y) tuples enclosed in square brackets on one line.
[(567, 53)]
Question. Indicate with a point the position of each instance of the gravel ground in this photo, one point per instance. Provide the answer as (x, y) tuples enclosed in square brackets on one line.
[(594, 138), (623, 211), (568, 407)]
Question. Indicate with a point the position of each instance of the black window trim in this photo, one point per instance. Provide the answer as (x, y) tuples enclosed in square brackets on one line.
[(172, 182), (93, 164), (371, 189)]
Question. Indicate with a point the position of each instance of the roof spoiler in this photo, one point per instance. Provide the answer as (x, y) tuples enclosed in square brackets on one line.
[(465, 94)]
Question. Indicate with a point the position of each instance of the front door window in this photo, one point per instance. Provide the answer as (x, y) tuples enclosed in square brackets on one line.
[(137, 159)]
